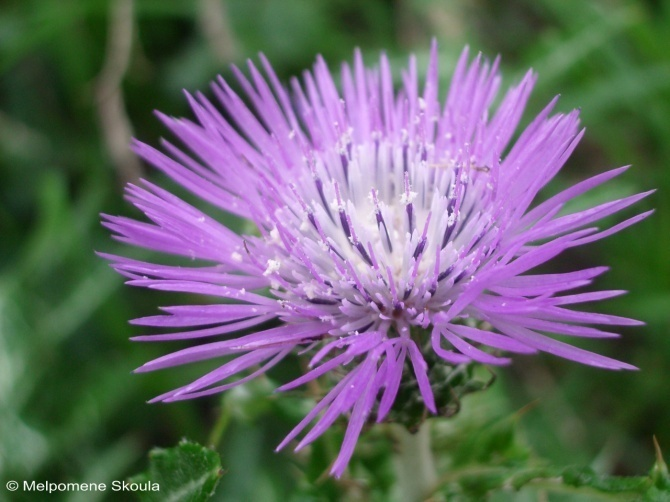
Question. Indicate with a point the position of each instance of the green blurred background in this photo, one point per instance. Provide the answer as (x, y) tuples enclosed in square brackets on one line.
[(79, 77)]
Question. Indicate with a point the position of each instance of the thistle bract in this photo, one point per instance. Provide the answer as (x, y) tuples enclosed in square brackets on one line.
[(392, 228)]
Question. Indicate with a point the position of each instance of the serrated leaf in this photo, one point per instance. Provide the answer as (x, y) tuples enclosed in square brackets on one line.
[(187, 472), (586, 477)]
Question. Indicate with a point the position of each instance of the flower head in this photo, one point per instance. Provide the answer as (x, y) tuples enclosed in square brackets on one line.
[(392, 230)]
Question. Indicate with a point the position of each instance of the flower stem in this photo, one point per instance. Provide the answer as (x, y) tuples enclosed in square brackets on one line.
[(220, 426), (414, 464)]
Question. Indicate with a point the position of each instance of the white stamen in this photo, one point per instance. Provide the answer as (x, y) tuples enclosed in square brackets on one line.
[(336, 206), (309, 289), (407, 198), (273, 266)]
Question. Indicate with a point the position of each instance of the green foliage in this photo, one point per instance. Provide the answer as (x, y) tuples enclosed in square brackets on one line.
[(493, 461), (187, 472)]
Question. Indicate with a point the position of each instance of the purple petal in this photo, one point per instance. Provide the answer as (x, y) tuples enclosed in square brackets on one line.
[(559, 349), (421, 373)]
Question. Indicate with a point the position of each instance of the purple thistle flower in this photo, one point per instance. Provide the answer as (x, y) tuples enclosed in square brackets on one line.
[(390, 228)]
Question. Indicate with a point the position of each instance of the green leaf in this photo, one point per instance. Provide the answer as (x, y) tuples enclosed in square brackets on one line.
[(478, 485), (523, 477), (659, 473), (585, 476), (187, 472)]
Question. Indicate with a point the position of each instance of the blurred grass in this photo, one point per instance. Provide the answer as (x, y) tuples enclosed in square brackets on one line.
[(70, 410)]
